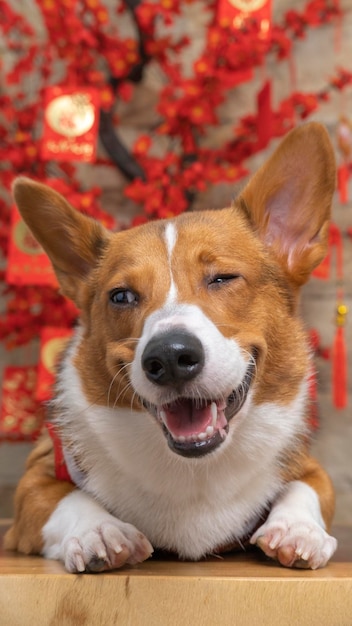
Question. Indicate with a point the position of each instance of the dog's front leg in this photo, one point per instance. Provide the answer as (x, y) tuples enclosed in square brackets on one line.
[(295, 530), (61, 522), (83, 535)]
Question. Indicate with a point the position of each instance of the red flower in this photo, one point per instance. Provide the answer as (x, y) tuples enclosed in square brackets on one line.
[(142, 145)]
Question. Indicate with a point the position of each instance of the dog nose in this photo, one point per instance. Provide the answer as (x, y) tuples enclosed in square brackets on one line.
[(173, 357)]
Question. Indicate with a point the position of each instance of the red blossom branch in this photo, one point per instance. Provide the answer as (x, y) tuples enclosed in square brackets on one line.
[(85, 47)]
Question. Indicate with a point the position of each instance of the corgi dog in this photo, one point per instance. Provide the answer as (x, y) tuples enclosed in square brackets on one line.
[(182, 401)]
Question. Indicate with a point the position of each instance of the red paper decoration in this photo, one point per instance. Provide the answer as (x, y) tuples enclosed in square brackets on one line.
[(27, 261), (339, 360), (52, 342), (238, 12), (21, 415), (70, 124), (342, 182)]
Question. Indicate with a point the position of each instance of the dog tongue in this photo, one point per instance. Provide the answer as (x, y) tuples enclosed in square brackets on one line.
[(185, 418)]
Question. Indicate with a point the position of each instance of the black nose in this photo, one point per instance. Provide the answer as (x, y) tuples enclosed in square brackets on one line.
[(173, 357)]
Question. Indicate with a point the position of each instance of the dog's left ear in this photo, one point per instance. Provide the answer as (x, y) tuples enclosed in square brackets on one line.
[(289, 199), (73, 242)]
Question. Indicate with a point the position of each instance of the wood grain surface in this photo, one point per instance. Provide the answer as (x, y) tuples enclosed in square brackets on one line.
[(240, 590)]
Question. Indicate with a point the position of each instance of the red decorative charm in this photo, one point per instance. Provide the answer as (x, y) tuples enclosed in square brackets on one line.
[(70, 124), (52, 342), (21, 416), (339, 360), (27, 261), (342, 182), (338, 351), (237, 12)]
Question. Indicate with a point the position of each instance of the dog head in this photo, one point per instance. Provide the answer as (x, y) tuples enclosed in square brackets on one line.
[(193, 319)]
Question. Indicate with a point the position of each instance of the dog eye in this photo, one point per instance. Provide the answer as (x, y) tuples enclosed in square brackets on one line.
[(222, 279), (123, 297)]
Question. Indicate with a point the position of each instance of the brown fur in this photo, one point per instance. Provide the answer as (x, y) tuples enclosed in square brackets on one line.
[(37, 495)]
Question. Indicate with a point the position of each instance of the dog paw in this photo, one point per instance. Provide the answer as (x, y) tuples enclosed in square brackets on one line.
[(302, 544), (109, 545)]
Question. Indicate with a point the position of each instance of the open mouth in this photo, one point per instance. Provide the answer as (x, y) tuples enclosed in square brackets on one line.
[(196, 427)]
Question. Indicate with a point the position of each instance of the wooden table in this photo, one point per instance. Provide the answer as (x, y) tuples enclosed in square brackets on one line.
[(239, 590)]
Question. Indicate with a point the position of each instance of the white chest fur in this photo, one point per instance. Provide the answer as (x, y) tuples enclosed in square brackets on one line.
[(190, 506)]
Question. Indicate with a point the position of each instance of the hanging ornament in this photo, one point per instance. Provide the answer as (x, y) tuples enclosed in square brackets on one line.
[(237, 12), (339, 358), (21, 416), (27, 262), (52, 343), (70, 124), (339, 352)]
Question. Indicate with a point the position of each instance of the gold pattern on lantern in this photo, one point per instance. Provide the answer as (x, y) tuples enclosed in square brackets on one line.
[(25, 241), (71, 115), (248, 6), (31, 379), (29, 425), (9, 422)]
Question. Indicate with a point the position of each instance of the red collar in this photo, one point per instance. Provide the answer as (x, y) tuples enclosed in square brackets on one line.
[(61, 471)]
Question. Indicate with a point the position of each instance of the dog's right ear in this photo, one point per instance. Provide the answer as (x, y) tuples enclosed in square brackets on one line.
[(73, 242), (288, 200)]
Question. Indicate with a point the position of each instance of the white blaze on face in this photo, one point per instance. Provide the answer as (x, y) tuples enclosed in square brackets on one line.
[(225, 364), (170, 239)]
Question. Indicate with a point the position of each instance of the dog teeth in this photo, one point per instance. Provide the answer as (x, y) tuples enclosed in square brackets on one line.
[(214, 414), (207, 434), (162, 415)]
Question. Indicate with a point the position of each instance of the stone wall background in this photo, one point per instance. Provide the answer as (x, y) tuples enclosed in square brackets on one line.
[(315, 59)]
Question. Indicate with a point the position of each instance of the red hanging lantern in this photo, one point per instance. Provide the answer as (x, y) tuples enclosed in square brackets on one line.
[(52, 342), (21, 416), (238, 12), (70, 124), (27, 262)]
